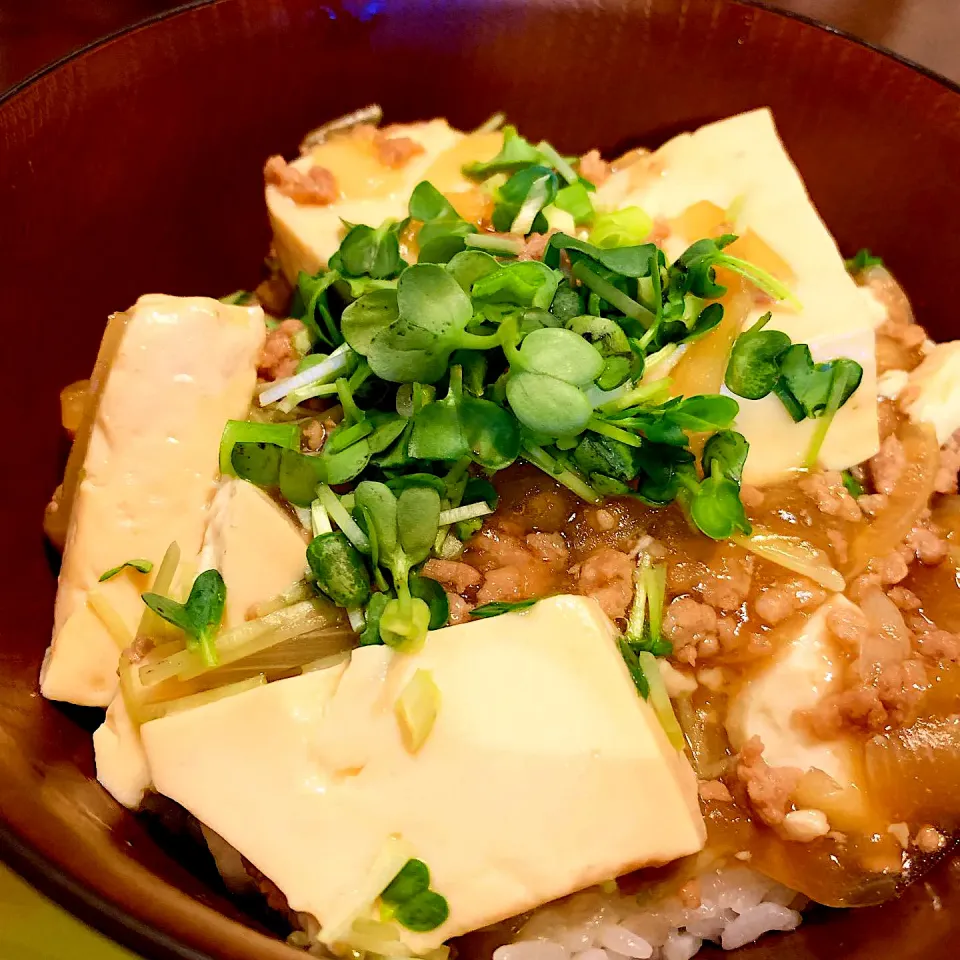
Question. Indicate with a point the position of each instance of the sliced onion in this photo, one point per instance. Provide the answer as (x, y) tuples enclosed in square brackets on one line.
[(915, 771), (888, 640), (907, 502), (794, 554), (416, 709)]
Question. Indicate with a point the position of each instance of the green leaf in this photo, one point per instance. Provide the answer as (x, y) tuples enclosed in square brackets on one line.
[(515, 153), (424, 912), (854, 487), (365, 318), (469, 266), (633, 666), (525, 283), (437, 434), (498, 607), (366, 251), (379, 505), (141, 566), (704, 412), (413, 878), (633, 261), (728, 449), (809, 384), (428, 203), (567, 302), (299, 477), (548, 406), (625, 227), (404, 624), (716, 507), (418, 519), (257, 462), (370, 635), (478, 489), (605, 334), (311, 305), (575, 200), (200, 616), (492, 433), (562, 354), (862, 260), (342, 467), (601, 455), (754, 366), (339, 568), (434, 596)]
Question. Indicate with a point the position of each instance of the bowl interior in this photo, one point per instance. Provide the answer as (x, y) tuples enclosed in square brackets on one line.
[(136, 167)]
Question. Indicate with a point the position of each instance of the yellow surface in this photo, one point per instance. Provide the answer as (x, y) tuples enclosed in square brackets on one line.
[(34, 928)]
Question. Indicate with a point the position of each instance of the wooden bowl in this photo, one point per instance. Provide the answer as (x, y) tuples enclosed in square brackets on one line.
[(135, 166)]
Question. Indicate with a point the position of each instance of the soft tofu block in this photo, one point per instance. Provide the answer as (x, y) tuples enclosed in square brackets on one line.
[(741, 166), (806, 668), (257, 548), (305, 236), (121, 763), (544, 771), (932, 392), (184, 366)]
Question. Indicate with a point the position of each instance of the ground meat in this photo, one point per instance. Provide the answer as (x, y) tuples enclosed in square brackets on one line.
[(314, 434), (768, 788), (551, 548), (607, 576), (274, 294), (728, 589), (535, 246), (395, 152), (601, 520), (279, 357), (890, 569), (452, 573), (908, 335), (317, 186), (848, 625), (929, 839), (838, 543), (872, 504), (946, 479), (887, 466), (714, 790), (692, 629), (511, 570), (831, 496), (459, 609), (939, 645), (779, 602), (594, 168), (925, 543), (904, 599), (889, 698)]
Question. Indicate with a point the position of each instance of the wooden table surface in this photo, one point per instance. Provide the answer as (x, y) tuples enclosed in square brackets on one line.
[(34, 32)]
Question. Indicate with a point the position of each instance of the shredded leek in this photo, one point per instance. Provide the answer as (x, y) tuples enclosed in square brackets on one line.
[(341, 517), (659, 699), (531, 206), (109, 617), (297, 593), (326, 372), (251, 638), (150, 624), (469, 511), (355, 902), (416, 709), (153, 711)]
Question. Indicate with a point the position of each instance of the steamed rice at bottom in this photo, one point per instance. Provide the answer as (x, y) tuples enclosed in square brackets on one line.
[(737, 905)]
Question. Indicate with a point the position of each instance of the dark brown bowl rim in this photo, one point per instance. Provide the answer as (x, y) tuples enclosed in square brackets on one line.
[(46, 876)]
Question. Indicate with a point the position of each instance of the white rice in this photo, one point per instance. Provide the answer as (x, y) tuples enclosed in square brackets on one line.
[(737, 905)]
